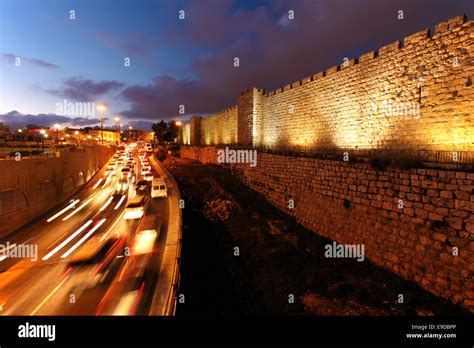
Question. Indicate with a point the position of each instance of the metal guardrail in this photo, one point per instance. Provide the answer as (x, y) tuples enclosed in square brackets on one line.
[(170, 308), (459, 160)]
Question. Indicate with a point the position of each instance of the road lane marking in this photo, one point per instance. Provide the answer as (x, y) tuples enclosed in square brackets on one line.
[(107, 203), (71, 237), (78, 209), (48, 297), (97, 184), (119, 203), (83, 239), (63, 211), (112, 227), (106, 182)]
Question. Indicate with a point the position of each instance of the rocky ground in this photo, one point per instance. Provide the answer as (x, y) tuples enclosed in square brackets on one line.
[(279, 266)]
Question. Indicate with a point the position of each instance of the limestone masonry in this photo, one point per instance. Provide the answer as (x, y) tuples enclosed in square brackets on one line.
[(415, 94)]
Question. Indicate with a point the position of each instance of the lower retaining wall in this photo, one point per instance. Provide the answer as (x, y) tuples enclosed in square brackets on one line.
[(418, 223), (32, 186)]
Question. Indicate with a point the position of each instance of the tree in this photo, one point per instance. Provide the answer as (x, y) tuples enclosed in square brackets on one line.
[(160, 129), (173, 129)]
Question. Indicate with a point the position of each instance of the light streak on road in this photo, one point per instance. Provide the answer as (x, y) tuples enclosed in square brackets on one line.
[(71, 237), (97, 184), (48, 297), (83, 239), (78, 209), (111, 228), (120, 202), (3, 257), (73, 204), (137, 299), (106, 182), (106, 203)]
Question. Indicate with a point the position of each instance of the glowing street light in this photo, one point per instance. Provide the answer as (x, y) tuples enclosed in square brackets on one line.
[(178, 123), (56, 127), (101, 109)]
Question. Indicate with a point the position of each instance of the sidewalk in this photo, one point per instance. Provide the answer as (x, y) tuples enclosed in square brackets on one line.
[(164, 300)]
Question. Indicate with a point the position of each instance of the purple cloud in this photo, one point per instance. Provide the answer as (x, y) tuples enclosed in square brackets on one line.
[(274, 50), (43, 64), (132, 44), (85, 90), (16, 119)]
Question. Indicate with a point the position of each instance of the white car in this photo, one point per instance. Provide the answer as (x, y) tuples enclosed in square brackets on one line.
[(146, 168), (148, 176), (136, 207), (158, 188)]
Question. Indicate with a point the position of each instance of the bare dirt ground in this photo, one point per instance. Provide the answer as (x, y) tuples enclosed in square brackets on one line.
[(278, 259)]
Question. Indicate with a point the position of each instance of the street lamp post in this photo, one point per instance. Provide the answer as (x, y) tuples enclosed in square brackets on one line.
[(101, 109), (56, 128), (43, 134)]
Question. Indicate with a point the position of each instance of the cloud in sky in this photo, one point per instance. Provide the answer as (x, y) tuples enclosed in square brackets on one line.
[(10, 58), (274, 50), (193, 59), (132, 44), (85, 90), (16, 119)]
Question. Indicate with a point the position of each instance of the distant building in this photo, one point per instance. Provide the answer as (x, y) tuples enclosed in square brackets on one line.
[(135, 134), (4, 130), (111, 136), (5, 134)]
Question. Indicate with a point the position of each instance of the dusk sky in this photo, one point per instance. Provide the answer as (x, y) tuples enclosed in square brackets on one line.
[(186, 62)]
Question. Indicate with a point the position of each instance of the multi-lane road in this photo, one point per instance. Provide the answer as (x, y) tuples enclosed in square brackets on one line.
[(86, 261)]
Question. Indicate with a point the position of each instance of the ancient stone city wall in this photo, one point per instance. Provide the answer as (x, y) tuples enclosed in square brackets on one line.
[(429, 240), (412, 94)]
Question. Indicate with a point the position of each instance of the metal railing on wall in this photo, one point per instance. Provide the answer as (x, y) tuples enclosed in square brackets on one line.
[(409, 158)]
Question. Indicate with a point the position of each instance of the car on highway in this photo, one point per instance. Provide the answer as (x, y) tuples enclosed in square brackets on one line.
[(110, 170), (144, 171), (148, 176), (146, 168), (136, 207), (125, 173), (121, 187), (158, 188), (142, 187), (95, 259)]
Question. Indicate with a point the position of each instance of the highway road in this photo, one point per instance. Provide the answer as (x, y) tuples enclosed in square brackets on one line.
[(87, 261)]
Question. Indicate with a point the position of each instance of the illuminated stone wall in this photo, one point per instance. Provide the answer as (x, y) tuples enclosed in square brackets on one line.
[(186, 134), (429, 238), (414, 94), (220, 128)]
